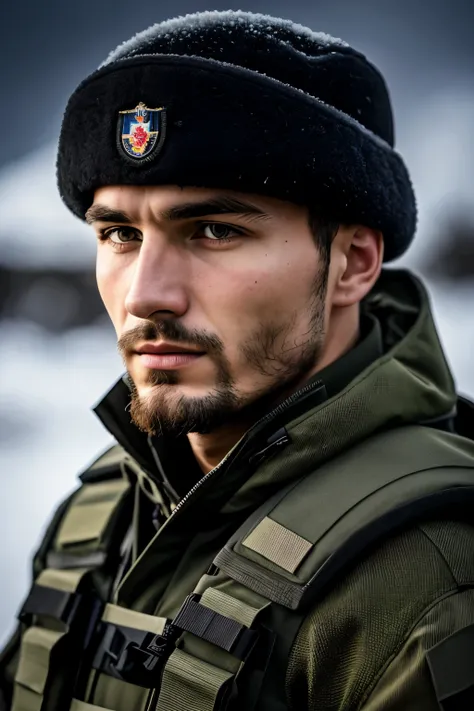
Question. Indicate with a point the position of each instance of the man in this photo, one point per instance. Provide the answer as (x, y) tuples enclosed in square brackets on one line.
[(281, 525)]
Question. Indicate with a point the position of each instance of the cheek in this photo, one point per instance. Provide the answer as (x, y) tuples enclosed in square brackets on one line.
[(268, 290), (110, 283)]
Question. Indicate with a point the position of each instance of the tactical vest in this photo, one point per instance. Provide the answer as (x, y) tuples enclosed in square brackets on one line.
[(229, 644)]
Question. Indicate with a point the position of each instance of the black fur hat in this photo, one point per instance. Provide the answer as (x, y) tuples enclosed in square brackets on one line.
[(245, 102)]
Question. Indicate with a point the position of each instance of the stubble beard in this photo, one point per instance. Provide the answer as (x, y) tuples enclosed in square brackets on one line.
[(272, 350)]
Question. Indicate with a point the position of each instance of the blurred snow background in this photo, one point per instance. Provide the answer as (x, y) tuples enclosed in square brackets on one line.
[(57, 350)]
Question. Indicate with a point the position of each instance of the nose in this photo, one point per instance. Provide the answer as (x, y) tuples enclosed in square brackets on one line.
[(158, 284)]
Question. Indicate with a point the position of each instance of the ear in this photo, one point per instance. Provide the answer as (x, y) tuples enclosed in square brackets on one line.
[(358, 255)]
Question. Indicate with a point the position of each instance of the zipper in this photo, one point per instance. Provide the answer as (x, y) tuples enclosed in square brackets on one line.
[(229, 458), (281, 440)]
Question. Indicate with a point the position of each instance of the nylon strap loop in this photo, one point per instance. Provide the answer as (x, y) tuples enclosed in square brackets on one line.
[(229, 606), (77, 705), (116, 615), (65, 599), (38, 643), (49, 602), (65, 580), (223, 620), (54, 595), (192, 684), (26, 700), (206, 624), (90, 512)]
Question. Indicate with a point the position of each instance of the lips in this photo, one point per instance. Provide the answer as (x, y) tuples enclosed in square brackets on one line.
[(164, 348), (166, 356)]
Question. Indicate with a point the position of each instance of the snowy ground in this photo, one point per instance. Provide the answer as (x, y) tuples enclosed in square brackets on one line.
[(48, 387)]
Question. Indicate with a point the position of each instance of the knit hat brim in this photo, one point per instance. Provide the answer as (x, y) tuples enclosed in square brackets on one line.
[(232, 128)]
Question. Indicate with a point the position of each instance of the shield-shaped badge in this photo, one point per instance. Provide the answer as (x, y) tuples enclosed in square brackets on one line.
[(141, 132)]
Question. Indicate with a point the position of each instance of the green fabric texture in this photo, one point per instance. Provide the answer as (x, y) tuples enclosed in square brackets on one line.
[(363, 646), (353, 639)]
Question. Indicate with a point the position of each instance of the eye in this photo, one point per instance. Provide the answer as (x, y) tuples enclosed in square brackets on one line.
[(120, 235), (219, 232)]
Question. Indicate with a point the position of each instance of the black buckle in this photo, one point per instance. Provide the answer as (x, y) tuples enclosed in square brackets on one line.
[(134, 656), (138, 657), (80, 611), (50, 602), (213, 627)]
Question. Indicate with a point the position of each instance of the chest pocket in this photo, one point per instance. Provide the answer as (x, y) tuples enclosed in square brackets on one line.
[(68, 597)]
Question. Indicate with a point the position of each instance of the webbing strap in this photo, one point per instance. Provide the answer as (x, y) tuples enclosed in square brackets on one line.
[(38, 643), (116, 615), (54, 595), (59, 596), (210, 626), (26, 700), (77, 705), (229, 606), (91, 510), (66, 600), (192, 684), (214, 618), (66, 580)]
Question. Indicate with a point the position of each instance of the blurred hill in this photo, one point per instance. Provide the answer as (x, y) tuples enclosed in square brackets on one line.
[(54, 299), (453, 258)]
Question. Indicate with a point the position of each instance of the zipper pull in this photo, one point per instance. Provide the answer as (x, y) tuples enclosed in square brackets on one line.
[(278, 440)]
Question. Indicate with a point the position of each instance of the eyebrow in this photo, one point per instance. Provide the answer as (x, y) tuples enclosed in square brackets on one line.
[(213, 206), (186, 211), (102, 213)]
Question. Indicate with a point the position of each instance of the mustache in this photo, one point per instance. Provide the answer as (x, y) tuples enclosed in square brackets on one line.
[(168, 330)]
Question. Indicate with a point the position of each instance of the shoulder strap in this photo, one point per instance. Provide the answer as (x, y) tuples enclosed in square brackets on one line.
[(295, 544), (74, 570)]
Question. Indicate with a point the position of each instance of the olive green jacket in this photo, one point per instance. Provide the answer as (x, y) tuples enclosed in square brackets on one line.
[(362, 647)]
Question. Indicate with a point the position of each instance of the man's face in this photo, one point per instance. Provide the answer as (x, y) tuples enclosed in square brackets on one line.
[(217, 299)]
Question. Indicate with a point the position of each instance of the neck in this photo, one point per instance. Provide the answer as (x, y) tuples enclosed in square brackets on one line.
[(210, 449)]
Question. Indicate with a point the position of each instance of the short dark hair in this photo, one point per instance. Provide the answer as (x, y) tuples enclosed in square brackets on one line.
[(324, 230)]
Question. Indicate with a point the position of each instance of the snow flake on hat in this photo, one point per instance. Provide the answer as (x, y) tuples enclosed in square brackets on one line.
[(234, 20)]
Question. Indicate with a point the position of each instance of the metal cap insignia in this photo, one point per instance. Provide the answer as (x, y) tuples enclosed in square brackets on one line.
[(141, 132)]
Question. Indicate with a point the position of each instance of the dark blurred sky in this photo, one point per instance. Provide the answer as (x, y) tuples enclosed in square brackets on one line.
[(48, 46)]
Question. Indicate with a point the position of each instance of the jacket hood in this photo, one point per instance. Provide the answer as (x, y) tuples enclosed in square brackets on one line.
[(397, 375)]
